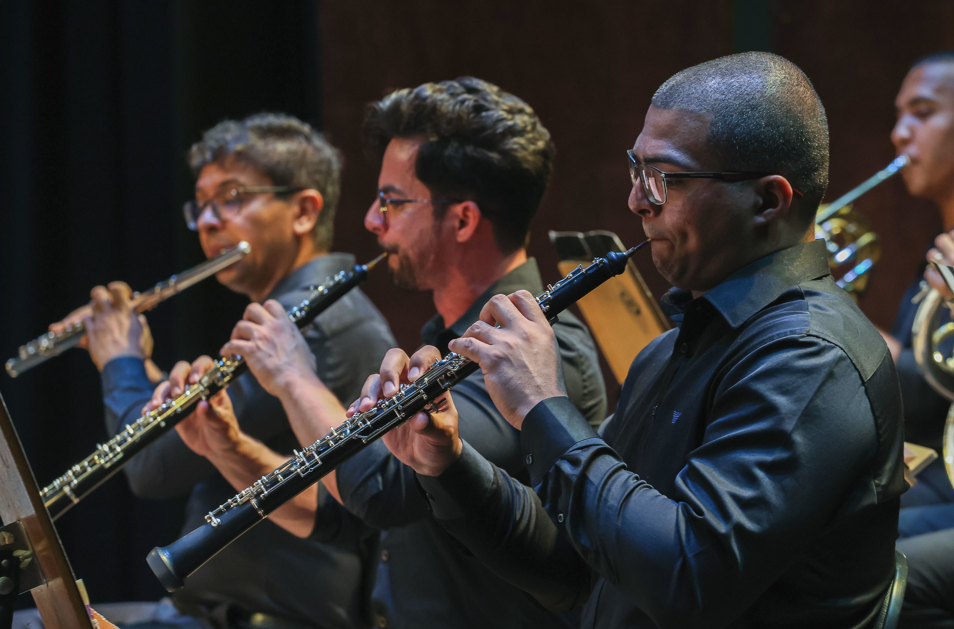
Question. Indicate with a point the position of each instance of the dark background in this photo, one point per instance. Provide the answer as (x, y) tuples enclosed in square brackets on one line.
[(100, 101)]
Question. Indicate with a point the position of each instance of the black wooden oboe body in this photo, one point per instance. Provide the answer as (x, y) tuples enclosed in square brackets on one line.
[(110, 457), (173, 563)]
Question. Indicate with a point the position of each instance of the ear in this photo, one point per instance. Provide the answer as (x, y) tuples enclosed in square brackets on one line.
[(466, 218), (776, 197), (308, 207)]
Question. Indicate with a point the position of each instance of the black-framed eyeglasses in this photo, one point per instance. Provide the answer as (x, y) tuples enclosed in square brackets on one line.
[(229, 205), (386, 203), (654, 180)]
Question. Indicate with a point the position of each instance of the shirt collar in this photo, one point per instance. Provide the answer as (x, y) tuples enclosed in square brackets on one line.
[(313, 272), (756, 285), (524, 277)]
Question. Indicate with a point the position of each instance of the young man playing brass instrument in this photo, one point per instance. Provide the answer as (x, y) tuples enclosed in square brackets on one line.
[(463, 168), (752, 472), (925, 132), (273, 181)]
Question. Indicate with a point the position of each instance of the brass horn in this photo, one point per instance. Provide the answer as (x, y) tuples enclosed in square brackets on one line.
[(929, 334), (853, 249)]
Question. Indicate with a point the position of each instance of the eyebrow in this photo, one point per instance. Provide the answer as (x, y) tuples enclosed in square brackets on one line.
[(662, 159), (917, 100), (390, 188), (223, 184)]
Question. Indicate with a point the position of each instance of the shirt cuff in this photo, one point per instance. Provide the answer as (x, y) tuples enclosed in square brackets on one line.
[(551, 428), (123, 372), (466, 482)]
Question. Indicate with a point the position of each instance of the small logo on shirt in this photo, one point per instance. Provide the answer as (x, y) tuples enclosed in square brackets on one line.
[(676, 415)]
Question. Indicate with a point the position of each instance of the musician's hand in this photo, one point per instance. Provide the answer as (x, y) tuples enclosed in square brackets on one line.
[(212, 428), (77, 316), (519, 358), (427, 442), (272, 347), (113, 328), (942, 253)]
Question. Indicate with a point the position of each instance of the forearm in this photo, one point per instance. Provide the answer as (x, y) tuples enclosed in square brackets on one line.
[(313, 411), (504, 524), (248, 462)]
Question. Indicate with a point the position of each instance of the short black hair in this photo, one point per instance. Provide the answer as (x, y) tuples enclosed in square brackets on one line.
[(766, 117), (480, 143), (290, 152)]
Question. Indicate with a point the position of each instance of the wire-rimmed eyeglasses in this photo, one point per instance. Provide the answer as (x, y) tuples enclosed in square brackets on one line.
[(654, 180), (229, 205), (386, 203)]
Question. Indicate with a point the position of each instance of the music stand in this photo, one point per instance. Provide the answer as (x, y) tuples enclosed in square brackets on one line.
[(621, 313), (31, 555)]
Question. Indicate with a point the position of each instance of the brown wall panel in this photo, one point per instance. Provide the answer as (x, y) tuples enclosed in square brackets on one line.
[(590, 69)]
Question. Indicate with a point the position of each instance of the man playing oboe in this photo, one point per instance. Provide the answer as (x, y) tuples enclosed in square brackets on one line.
[(272, 181), (463, 168), (751, 474)]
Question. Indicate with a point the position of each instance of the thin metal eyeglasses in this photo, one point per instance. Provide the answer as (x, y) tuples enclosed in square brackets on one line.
[(386, 203), (230, 206), (654, 180)]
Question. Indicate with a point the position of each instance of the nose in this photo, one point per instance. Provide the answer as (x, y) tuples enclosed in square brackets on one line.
[(639, 203), (902, 133), (374, 219), (208, 220)]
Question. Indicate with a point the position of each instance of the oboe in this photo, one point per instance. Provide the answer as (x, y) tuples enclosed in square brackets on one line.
[(111, 456), (53, 344), (173, 563)]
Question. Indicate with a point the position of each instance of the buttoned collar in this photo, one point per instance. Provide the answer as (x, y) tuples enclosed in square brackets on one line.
[(312, 272), (756, 285), (524, 277)]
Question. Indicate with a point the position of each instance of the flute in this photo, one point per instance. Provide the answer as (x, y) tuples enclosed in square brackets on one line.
[(51, 344), (111, 456), (173, 563)]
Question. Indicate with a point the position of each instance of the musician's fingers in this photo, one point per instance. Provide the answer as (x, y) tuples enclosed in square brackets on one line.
[(527, 304), (484, 332), (160, 394), (244, 330), (200, 366), (422, 360), (274, 308), (472, 349), (256, 313), (393, 369), (178, 378), (945, 244), (120, 293), (237, 347), (72, 318), (101, 298), (499, 311)]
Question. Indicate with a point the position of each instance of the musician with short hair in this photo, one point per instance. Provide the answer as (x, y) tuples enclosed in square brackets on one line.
[(463, 167), (750, 476), (272, 181), (924, 131)]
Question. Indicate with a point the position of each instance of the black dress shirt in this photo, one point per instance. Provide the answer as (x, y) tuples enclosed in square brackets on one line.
[(425, 578), (750, 476), (267, 570)]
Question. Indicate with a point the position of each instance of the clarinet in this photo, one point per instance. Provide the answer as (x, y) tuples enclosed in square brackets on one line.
[(173, 563), (111, 456), (51, 344)]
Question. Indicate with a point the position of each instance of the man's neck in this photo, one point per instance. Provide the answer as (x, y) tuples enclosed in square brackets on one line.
[(305, 255), (470, 278), (946, 206)]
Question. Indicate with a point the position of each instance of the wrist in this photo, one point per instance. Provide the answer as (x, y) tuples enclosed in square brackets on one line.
[(297, 385)]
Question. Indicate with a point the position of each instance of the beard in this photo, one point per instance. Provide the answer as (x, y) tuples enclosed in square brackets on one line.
[(404, 276)]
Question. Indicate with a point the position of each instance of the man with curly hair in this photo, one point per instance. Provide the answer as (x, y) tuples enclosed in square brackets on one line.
[(464, 166)]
